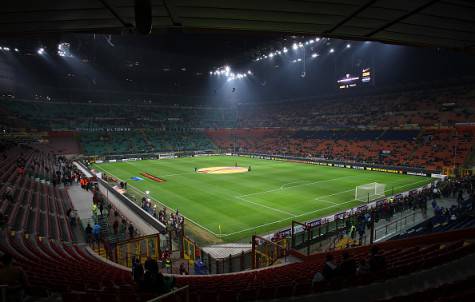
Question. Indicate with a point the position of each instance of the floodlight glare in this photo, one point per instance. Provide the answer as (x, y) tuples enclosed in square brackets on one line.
[(314, 55), (295, 46), (40, 51), (348, 45), (227, 68), (332, 50)]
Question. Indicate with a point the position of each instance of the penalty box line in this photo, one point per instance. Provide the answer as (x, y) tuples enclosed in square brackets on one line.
[(269, 223), (308, 213)]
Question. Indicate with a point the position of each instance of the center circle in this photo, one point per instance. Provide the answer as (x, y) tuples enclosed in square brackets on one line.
[(222, 170)]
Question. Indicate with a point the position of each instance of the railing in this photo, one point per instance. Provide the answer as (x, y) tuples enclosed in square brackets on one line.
[(396, 226), (181, 294)]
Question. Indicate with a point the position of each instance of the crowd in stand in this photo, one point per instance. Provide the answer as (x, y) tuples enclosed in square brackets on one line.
[(349, 268), (149, 277)]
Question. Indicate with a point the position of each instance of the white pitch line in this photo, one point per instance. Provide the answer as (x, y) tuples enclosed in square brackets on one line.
[(273, 222), (327, 201), (338, 193), (304, 184), (293, 182), (303, 214), (194, 222), (264, 206)]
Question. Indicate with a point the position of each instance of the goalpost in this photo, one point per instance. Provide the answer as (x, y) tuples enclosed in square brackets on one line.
[(369, 192)]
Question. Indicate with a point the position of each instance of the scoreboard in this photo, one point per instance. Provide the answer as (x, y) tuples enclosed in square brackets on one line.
[(362, 77)]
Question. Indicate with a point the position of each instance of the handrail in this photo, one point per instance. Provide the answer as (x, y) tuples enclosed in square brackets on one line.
[(174, 292)]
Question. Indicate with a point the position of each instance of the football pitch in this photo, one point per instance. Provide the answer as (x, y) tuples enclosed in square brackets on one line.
[(233, 206)]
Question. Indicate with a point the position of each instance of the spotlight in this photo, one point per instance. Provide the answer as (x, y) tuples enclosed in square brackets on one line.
[(227, 68), (210, 72), (317, 39), (16, 50), (295, 46), (64, 49), (314, 55), (332, 50), (299, 59), (271, 55), (311, 41), (6, 48), (40, 51), (348, 45), (249, 72), (285, 50)]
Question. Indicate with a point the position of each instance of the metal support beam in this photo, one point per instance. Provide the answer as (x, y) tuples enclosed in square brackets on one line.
[(407, 15)]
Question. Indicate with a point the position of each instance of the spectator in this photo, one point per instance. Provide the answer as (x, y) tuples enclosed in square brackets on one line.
[(151, 265), (131, 231), (137, 271), (89, 233), (96, 231), (363, 267), (183, 270), (14, 278), (348, 266), (377, 262), (329, 269)]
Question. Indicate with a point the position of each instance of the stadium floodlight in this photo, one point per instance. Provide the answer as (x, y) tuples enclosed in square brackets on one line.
[(227, 68), (317, 39), (369, 192), (295, 46), (271, 55), (249, 72), (299, 60), (284, 50), (348, 45), (314, 55), (300, 44), (311, 41), (41, 51), (332, 50), (211, 72), (6, 48), (16, 50)]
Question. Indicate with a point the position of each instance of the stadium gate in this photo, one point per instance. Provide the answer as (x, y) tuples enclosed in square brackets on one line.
[(123, 252), (266, 252)]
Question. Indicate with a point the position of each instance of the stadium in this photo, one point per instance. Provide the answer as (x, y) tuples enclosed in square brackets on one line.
[(237, 151)]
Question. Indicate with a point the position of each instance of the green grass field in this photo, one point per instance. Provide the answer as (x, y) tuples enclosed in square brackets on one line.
[(234, 206)]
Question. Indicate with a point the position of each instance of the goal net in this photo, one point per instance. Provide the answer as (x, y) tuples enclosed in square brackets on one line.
[(369, 192)]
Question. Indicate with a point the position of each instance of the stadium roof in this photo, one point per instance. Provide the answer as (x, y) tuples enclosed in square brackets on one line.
[(439, 23)]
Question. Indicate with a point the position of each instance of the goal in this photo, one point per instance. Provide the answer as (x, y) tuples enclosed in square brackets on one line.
[(369, 192)]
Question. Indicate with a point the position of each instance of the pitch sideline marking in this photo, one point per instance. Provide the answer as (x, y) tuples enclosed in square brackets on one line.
[(306, 213), (265, 224), (196, 223)]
